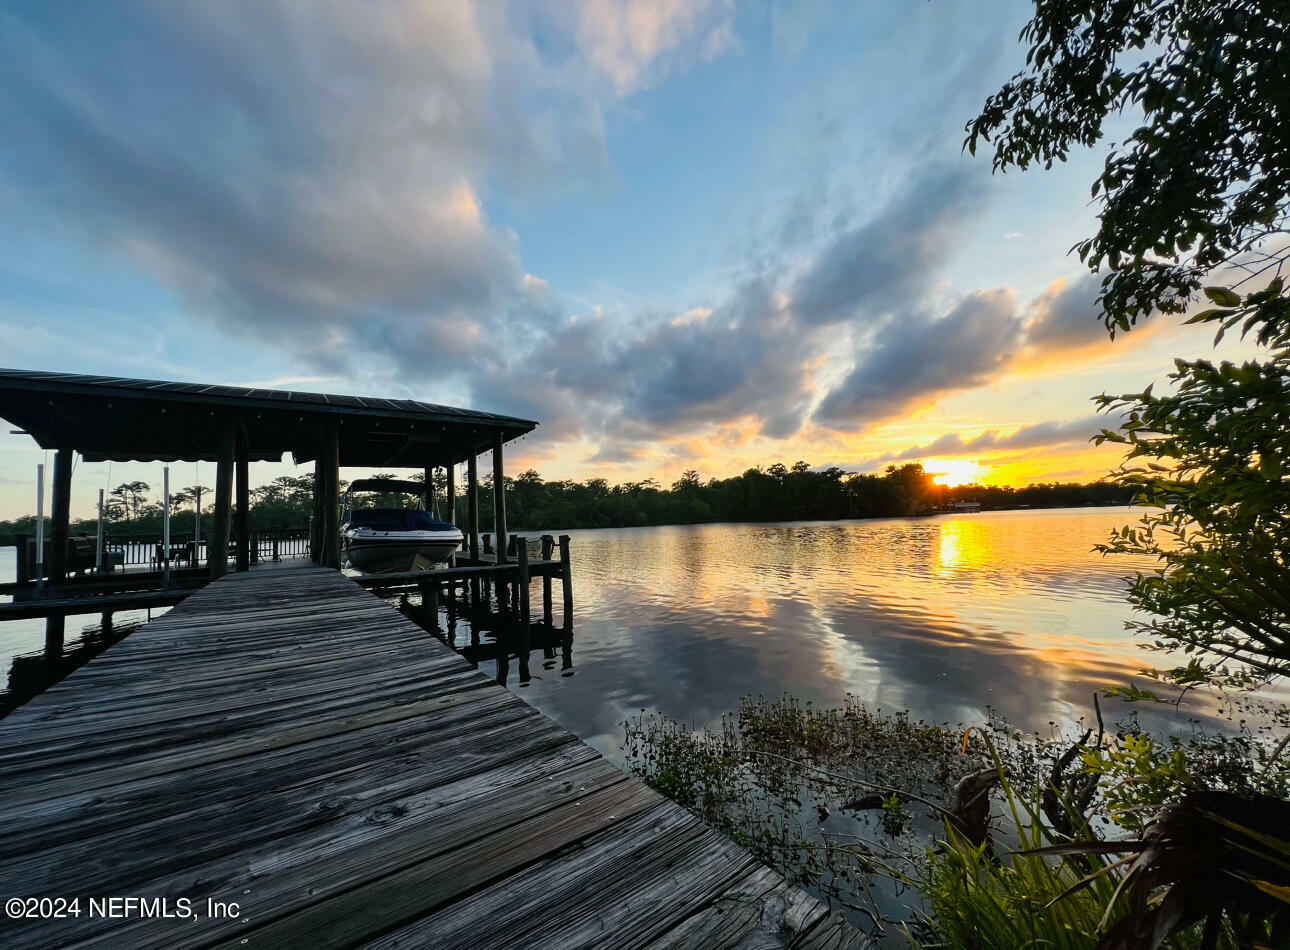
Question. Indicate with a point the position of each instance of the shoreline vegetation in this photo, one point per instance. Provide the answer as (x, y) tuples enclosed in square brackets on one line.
[(978, 835), (775, 493)]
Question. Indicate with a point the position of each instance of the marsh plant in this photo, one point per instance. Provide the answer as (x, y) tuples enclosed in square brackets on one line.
[(938, 834)]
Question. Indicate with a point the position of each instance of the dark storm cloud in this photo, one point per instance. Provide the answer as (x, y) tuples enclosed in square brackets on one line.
[(916, 357)]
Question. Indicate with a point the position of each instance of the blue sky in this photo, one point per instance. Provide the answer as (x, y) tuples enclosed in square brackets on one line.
[(682, 233)]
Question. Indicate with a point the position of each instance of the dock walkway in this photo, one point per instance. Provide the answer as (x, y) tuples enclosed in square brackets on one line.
[(285, 742)]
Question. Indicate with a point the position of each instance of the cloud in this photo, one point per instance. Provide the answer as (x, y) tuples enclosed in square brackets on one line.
[(1034, 436), (319, 176), (1066, 315), (308, 174), (886, 262), (632, 41), (757, 355), (917, 358)]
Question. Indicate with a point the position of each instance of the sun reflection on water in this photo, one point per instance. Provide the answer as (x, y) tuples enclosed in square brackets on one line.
[(944, 616)]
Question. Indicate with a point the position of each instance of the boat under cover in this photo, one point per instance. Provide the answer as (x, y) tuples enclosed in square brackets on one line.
[(391, 540)]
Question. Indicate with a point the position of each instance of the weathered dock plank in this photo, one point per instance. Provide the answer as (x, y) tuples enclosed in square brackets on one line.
[(287, 742)]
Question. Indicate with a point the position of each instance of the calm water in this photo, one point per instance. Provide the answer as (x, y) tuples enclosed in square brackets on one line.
[(943, 616)]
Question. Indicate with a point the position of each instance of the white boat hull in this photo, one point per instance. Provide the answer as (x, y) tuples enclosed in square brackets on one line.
[(393, 552)]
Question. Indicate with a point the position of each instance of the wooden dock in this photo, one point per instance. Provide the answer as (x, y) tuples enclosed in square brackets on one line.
[(285, 742)]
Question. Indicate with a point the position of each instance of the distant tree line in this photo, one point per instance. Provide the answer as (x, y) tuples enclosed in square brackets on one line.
[(775, 493)]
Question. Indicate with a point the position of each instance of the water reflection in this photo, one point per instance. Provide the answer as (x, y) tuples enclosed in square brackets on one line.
[(945, 616)]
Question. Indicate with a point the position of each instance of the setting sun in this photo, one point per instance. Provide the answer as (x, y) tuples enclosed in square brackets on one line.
[(954, 472)]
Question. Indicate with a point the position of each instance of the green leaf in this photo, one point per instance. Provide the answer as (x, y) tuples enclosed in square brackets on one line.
[(1223, 297)]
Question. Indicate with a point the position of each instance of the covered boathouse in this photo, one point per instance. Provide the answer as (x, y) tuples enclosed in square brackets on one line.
[(108, 418)]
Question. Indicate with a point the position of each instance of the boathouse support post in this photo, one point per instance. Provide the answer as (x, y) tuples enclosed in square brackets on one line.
[(331, 497), (566, 582), (450, 481), (217, 555), (428, 499), (548, 543), (472, 505), (499, 498), (59, 518), (315, 523), (472, 521), (450, 492), (243, 499)]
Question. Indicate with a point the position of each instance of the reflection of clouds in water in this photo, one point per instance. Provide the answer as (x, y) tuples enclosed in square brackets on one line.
[(943, 616)]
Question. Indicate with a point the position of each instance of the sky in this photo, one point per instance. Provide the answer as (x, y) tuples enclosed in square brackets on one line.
[(680, 234)]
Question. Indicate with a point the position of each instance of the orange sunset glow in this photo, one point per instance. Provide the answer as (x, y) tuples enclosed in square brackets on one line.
[(954, 472)]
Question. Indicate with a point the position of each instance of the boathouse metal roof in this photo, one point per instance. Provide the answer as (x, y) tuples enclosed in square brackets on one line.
[(109, 418)]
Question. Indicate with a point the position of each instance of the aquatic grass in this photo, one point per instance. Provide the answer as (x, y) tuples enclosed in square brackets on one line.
[(1025, 898), (973, 837)]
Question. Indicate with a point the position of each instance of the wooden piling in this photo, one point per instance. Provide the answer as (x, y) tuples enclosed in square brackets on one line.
[(431, 597), (56, 560), (218, 553), (499, 498), (472, 506), (315, 523), (24, 567), (330, 545), (566, 582), (243, 499), (548, 544), (450, 490)]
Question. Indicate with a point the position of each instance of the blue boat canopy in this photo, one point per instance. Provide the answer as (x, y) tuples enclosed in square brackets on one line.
[(396, 519), (387, 485)]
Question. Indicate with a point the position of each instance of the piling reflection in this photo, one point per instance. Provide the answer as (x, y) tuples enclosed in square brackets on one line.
[(483, 620)]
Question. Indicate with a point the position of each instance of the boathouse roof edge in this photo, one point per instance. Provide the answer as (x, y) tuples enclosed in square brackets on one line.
[(110, 418)]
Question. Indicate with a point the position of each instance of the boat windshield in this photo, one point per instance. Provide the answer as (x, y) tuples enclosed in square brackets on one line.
[(395, 519)]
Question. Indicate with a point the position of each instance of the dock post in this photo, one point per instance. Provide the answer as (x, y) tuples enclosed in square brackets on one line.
[(243, 499), (472, 505), (24, 572), (315, 522), (499, 499), (59, 516), (450, 481), (98, 539), (522, 605), (105, 627), (488, 543), (472, 521), (432, 605), (566, 581), (217, 552), (165, 526), (330, 542), (548, 543)]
